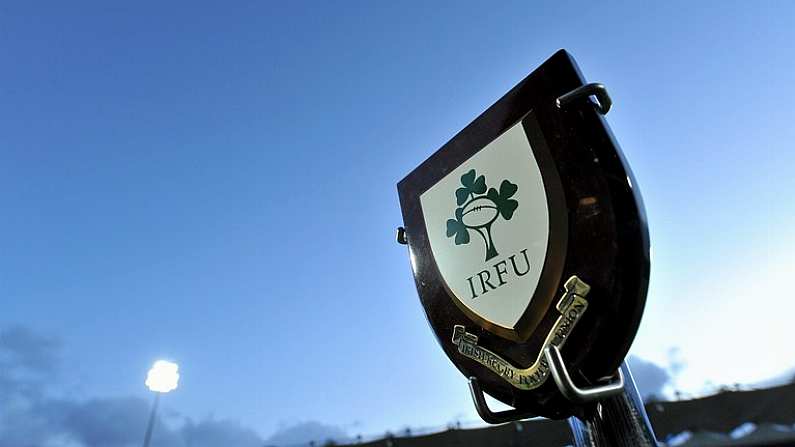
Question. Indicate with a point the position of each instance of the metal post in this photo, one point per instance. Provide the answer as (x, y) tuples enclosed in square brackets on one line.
[(618, 421), (151, 424)]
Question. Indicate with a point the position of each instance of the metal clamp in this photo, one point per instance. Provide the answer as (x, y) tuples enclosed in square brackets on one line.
[(485, 412), (571, 391), (586, 91)]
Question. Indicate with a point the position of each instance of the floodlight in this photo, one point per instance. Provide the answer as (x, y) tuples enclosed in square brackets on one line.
[(163, 376)]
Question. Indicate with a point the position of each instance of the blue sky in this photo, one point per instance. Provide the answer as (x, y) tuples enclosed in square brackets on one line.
[(215, 184)]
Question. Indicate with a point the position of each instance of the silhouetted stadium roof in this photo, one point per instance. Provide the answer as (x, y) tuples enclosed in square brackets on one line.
[(524, 433), (706, 422), (724, 411)]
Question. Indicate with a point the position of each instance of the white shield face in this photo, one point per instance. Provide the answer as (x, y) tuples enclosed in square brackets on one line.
[(488, 227)]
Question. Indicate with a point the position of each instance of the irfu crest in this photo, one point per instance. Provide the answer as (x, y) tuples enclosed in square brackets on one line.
[(493, 276), (478, 210), (539, 183)]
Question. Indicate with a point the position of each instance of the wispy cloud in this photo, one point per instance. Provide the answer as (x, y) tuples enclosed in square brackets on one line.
[(650, 378), (33, 417)]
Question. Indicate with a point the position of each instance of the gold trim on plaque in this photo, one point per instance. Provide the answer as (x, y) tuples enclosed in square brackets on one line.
[(571, 306)]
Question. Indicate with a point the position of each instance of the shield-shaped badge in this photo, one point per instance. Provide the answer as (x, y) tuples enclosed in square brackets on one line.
[(526, 231)]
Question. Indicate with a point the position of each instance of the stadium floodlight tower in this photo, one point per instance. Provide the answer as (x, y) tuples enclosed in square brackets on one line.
[(162, 378)]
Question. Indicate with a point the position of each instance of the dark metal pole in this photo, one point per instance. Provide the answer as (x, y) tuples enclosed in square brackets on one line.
[(151, 424), (618, 421)]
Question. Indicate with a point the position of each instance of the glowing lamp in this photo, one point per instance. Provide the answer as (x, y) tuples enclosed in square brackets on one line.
[(163, 376)]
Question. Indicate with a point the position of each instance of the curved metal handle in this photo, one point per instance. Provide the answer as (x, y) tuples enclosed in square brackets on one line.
[(571, 391), (485, 412), (585, 91)]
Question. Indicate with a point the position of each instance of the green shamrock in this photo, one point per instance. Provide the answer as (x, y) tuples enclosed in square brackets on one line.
[(471, 186), (473, 202), (505, 204), (456, 227)]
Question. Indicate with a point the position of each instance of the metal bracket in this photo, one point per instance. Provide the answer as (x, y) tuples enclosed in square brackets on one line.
[(584, 92), (485, 412), (565, 385), (571, 391), (401, 236)]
